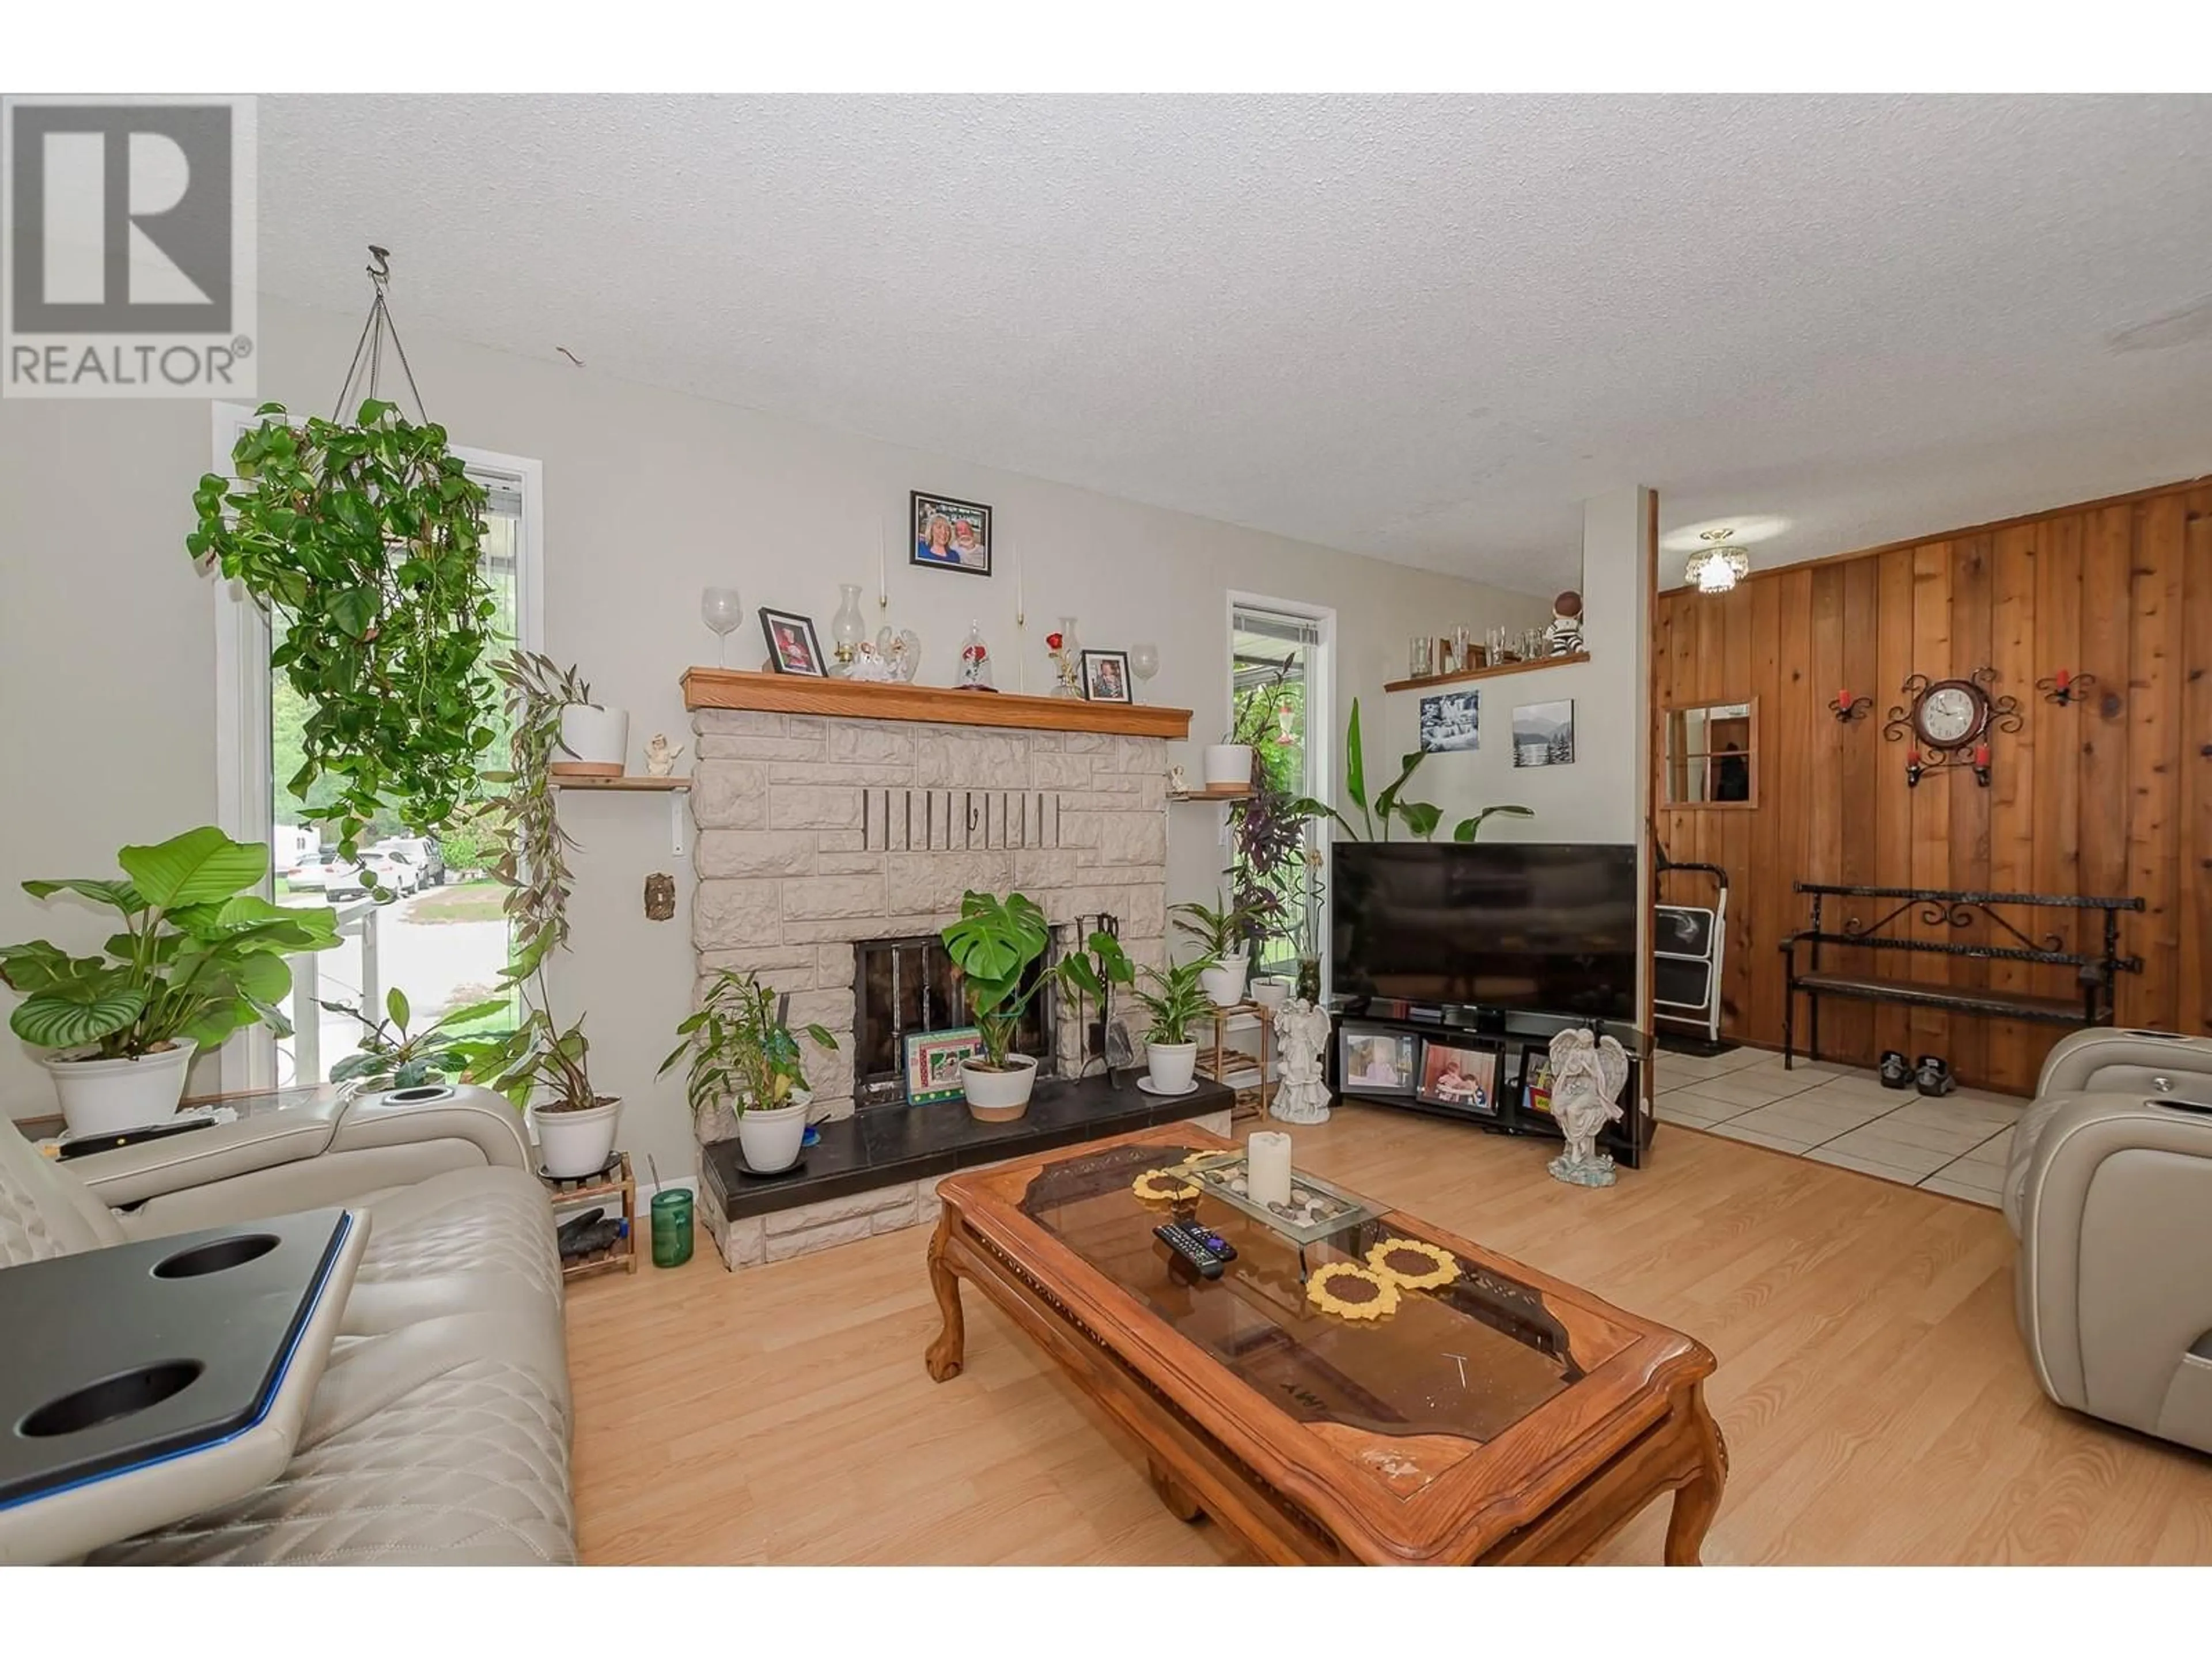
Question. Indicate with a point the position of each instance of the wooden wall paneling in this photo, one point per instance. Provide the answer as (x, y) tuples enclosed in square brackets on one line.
[(2106, 556), (2109, 796), (1967, 1042), (1892, 799), (2193, 995), (2013, 574), (2155, 691), (1931, 802)]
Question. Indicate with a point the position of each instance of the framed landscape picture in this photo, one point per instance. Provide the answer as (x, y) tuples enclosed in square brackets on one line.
[(932, 1063), (1544, 734), (1460, 1072), (1372, 1060), (950, 535)]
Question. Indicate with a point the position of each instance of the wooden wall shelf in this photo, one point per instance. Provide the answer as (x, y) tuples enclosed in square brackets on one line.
[(1215, 791), (631, 783), (1466, 674), (800, 694)]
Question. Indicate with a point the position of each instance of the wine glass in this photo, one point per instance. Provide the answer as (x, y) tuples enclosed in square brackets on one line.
[(1144, 662), (722, 609)]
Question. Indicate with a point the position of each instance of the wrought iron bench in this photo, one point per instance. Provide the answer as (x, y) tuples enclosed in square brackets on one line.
[(1935, 908)]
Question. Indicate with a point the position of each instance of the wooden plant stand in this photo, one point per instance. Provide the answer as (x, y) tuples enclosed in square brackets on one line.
[(1250, 1102)]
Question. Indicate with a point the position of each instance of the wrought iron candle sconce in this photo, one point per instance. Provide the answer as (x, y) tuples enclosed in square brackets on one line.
[(2064, 688), (1846, 707), (1949, 722)]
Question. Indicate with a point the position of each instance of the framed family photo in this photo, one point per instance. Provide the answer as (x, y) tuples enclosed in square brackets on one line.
[(1371, 1061), (932, 1063), (950, 535), (1106, 675), (1459, 1073), (792, 646)]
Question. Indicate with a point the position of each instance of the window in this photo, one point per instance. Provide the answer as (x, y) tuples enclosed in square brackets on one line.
[(443, 940), (1279, 702)]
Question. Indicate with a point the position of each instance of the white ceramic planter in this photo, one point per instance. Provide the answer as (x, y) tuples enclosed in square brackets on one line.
[(1229, 763), (1170, 1067), (1225, 980), (573, 1144), (771, 1140), (999, 1097), (106, 1096), (594, 742), (1271, 991)]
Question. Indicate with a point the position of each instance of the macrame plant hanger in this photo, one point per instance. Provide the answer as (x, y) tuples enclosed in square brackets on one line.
[(365, 372)]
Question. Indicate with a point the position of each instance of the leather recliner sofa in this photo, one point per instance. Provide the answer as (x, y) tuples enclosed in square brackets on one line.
[(2108, 1190), (437, 1430)]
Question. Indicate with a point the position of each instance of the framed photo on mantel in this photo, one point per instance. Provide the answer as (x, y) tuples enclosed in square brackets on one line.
[(950, 535)]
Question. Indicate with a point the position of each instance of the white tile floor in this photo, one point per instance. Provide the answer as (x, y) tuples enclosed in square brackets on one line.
[(1955, 1145)]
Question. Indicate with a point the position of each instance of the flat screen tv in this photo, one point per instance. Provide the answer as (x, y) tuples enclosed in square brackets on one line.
[(1516, 928)]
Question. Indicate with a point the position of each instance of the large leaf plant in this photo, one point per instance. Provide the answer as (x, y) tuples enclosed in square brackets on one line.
[(199, 956), (362, 543), (994, 945), (1420, 817), (742, 1050)]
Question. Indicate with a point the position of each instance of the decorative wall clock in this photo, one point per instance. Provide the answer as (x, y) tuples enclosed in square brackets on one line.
[(1949, 722)]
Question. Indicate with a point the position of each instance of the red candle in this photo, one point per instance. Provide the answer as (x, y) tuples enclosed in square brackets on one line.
[(1912, 758), (2063, 679), (1843, 698), (1981, 754)]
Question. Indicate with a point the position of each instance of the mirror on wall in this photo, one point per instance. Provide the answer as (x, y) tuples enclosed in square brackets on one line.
[(1712, 754)]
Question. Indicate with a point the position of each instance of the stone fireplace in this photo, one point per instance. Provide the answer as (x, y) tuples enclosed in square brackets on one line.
[(817, 831)]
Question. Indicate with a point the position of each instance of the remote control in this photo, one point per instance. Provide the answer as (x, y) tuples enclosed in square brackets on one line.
[(1185, 1243), (1214, 1242)]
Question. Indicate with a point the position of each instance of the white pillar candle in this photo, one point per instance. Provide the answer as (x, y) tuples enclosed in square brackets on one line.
[(1268, 1167), (883, 569)]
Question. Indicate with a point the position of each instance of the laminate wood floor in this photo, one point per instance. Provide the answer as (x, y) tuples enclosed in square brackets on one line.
[(1877, 1402)]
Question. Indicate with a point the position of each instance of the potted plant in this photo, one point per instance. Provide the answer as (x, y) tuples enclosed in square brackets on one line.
[(540, 1064), (993, 944), (595, 738), (1422, 817), (392, 1059), (1227, 764), (1220, 931), (198, 957), (363, 545), (744, 1051), (1176, 1000)]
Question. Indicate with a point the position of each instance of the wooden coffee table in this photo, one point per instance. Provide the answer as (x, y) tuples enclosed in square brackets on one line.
[(1505, 1417)]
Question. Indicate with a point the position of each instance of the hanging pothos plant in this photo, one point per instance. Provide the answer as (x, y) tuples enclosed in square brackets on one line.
[(361, 543)]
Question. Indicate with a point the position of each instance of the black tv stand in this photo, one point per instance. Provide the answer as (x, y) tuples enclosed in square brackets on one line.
[(1520, 1041)]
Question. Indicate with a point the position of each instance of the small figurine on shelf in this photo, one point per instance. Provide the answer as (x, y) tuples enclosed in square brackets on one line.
[(1178, 781), (868, 665), (1587, 1074), (661, 757), (900, 651), (974, 663), (1301, 1036), (1564, 638)]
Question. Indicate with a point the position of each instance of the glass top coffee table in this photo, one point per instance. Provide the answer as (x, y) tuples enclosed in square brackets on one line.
[(1388, 1393)]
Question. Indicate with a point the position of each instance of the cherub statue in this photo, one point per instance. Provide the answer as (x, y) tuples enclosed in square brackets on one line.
[(1301, 1036), (868, 667), (661, 757), (1587, 1073)]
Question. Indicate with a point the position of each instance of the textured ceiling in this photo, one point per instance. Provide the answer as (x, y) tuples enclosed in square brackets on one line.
[(1424, 329)]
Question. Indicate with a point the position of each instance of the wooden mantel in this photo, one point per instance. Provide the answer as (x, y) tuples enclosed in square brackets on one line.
[(860, 700)]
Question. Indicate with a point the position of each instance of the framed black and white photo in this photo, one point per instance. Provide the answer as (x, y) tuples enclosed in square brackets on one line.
[(1373, 1060), (1106, 675), (950, 535), (792, 646), (1544, 734), (1461, 1073), (1451, 721)]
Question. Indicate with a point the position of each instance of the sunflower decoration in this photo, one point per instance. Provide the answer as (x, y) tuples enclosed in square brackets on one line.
[(1163, 1186), (1352, 1291), (1413, 1264)]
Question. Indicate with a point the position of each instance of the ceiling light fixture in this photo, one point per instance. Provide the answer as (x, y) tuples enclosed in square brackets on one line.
[(1720, 567)]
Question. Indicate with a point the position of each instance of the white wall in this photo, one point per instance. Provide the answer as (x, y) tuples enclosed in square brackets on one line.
[(107, 644)]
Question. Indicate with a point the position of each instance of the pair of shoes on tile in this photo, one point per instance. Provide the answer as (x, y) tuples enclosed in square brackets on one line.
[(1896, 1070), (1933, 1074)]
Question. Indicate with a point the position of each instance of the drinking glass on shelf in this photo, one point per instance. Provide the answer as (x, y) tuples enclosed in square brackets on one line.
[(1459, 643), (1420, 657), (723, 611), (1532, 644)]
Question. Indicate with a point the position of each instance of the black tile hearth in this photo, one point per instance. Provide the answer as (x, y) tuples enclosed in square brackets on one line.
[(886, 1144)]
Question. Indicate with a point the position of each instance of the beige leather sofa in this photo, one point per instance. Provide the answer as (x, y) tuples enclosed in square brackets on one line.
[(439, 1429), (2108, 1190)]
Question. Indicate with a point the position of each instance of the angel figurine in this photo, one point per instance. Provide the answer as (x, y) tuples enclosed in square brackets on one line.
[(1301, 1036), (661, 757), (1587, 1073)]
